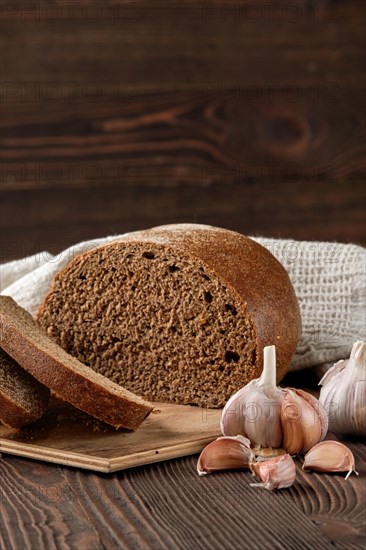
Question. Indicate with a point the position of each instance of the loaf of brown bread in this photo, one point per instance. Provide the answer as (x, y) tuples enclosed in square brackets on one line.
[(178, 313), (27, 343), (22, 398)]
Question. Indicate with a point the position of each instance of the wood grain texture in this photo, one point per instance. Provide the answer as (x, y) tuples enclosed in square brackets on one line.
[(165, 56), (254, 131), (168, 505), (65, 435), (338, 508), (217, 511), (54, 219), (118, 116), (38, 509)]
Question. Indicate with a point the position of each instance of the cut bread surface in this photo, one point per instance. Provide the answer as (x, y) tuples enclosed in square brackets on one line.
[(22, 398), (26, 342), (176, 313), (153, 321)]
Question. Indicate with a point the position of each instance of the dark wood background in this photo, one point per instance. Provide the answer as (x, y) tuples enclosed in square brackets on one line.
[(122, 115)]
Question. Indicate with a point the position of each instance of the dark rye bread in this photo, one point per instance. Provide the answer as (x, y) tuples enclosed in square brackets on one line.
[(177, 313), (22, 398), (27, 343)]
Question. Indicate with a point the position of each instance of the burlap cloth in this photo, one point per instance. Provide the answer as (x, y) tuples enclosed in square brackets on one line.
[(329, 280)]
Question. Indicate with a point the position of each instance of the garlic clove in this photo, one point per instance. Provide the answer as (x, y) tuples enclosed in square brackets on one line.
[(233, 414), (304, 421), (275, 473), (254, 411), (330, 456), (225, 453), (320, 413)]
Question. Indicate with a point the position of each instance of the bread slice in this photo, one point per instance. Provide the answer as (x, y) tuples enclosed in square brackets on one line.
[(22, 398), (26, 342), (176, 313)]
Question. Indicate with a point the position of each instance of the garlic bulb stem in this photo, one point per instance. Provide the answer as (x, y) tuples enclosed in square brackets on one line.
[(268, 376), (359, 351)]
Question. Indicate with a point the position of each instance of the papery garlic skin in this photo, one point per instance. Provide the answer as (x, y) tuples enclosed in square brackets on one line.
[(276, 473), (265, 453), (304, 421), (254, 411), (343, 393), (225, 453), (274, 417), (330, 456)]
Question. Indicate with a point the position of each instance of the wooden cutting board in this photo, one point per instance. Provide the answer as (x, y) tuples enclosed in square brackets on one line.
[(67, 436)]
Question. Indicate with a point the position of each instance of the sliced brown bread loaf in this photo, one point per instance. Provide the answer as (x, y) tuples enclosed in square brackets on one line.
[(22, 398), (26, 342), (176, 313)]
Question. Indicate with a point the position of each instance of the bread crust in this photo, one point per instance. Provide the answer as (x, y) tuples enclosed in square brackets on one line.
[(25, 341), (22, 398), (13, 414), (246, 268)]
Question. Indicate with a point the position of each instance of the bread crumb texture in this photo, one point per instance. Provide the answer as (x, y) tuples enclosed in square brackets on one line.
[(152, 313)]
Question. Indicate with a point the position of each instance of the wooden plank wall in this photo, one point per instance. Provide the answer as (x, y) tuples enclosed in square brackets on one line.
[(118, 115)]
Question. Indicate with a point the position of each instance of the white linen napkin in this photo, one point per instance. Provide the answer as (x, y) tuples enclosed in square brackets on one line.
[(329, 280)]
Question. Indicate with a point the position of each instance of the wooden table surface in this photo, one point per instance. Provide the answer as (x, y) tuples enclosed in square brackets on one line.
[(167, 505)]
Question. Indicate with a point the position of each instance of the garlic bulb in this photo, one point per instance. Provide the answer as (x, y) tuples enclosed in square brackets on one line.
[(330, 456), (226, 453), (343, 393), (274, 417), (276, 473), (254, 410)]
